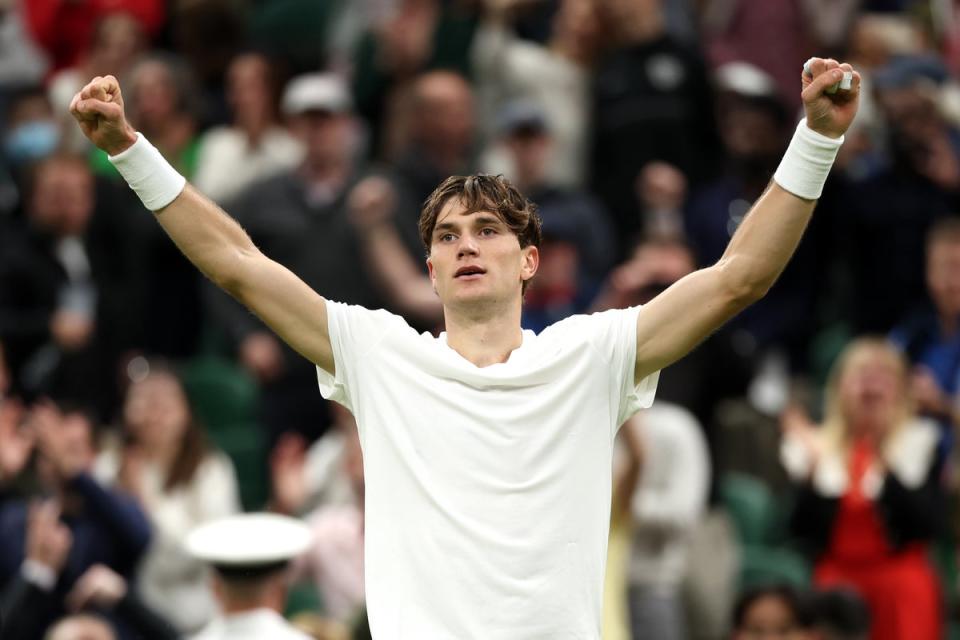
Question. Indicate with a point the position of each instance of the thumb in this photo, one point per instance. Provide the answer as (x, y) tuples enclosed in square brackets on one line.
[(819, 85)]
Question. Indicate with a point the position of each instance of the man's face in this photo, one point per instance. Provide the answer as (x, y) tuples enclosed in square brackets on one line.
[(476, 259), (943, 276), (63, 198), (327, 137)]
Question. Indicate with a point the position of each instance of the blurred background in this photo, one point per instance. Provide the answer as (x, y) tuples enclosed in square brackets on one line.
[(796, 478)]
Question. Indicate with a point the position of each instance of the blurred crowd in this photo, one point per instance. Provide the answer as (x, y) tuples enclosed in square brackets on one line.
[(798, 475)]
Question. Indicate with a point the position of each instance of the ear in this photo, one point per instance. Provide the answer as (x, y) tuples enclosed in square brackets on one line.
[(432, 274), (531, 261)]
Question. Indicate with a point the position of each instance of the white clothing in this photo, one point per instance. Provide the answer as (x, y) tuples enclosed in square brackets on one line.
[(670, 496), (170, 580), (227, 164), (509, 68), (327, 482), (259, 624), (487, 489)]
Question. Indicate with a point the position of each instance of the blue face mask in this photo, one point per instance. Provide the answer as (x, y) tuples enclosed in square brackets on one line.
[(31, 141)]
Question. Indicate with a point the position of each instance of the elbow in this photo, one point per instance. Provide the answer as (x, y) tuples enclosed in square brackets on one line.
[(744, 283), (229, 272)]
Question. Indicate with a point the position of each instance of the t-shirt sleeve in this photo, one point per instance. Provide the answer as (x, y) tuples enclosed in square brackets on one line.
[(354, 332), (614, 333)]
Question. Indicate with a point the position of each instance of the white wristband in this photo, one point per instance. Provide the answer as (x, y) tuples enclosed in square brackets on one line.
[(149, 175), (38, 574), (807, 162)]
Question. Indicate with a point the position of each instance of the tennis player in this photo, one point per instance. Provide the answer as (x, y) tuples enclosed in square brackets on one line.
[(487, 450)]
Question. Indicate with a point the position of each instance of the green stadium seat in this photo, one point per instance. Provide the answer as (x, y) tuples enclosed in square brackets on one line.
[(752, 507)]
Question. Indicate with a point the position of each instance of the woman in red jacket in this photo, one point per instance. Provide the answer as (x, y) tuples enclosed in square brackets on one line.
[(869, 497)]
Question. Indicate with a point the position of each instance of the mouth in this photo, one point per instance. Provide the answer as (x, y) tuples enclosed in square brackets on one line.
[(469, 273)]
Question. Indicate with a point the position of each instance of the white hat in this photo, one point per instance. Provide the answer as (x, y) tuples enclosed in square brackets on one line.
[(249, 539), (316, 92), (745, 79)]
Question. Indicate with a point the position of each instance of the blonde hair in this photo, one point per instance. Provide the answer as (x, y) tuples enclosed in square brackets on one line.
[(836, 431)]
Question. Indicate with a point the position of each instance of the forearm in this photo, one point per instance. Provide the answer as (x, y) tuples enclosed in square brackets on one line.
[(212, 240)]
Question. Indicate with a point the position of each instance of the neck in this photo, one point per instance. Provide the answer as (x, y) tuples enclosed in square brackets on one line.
[(332, 173), (484, 339)]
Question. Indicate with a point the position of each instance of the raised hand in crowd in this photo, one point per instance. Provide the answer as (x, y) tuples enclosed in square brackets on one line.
[(371, 202), (287, 473), (797, 427), (930, 397), (48, 540), (99, 587), (71, 330), (261, 355), (16, 441)]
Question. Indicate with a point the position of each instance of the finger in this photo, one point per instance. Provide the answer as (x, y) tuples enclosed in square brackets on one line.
[(93, 107), (80, 594), (820, 83)]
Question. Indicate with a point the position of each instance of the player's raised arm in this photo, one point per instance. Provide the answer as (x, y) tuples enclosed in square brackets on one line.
[(678, 319), (211, 239)]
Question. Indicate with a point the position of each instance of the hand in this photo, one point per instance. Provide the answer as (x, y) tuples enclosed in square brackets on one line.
[(48, 540), (930, 398), (16, 443), (130, 476), (98, 108), (260, 353), (795, 423), (829, 113), (98, 587), (371, 202), (71, 330), (287, 473)]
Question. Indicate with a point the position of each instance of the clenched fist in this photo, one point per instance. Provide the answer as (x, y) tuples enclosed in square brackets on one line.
[(98, 108), (829, 112)]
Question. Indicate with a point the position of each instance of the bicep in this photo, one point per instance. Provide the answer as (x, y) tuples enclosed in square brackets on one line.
[(677, 320), (285, 303)]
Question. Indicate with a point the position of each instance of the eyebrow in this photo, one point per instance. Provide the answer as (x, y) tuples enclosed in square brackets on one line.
[(480, 220)]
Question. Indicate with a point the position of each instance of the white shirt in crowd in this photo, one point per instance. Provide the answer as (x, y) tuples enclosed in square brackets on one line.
[(258, 624), (487, 489), (174, 583), (671, 494), (227, 163)]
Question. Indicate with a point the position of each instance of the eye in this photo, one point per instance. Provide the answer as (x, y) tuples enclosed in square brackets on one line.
[(488, 231), (446, 237)]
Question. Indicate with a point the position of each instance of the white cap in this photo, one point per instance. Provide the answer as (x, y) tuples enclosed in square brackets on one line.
[(316, 92), (249, 539), (745, 79)]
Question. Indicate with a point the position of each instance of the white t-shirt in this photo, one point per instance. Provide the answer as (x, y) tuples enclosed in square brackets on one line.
[(487, 489)]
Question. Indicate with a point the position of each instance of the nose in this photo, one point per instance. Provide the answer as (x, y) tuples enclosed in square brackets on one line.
[(467, 247)]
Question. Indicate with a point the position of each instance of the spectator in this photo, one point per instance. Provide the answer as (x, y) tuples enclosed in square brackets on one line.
[(553, 76), (181, 483), (411, 38), (768, 612), (668, 502), (891, 210), (117, 42), (31, 130), (300, 217), (50, 545), (65, 29), (652, 100), (250, 554), (60, 330), (930, 337), (98, 590), (334, 560), (837, 614), (869, 500), (22, 62), (254, 146)]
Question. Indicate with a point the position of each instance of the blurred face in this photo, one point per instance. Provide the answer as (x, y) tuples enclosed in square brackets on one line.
[(62, 199), (248, 89), (155, 95), (476, 259), (156, 412), (328, 138), (871, 390), (577, 25), (76, 437), (943, 276), (769, 618), (119, 42), (446, 117), (748, 131), (530, 151)]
